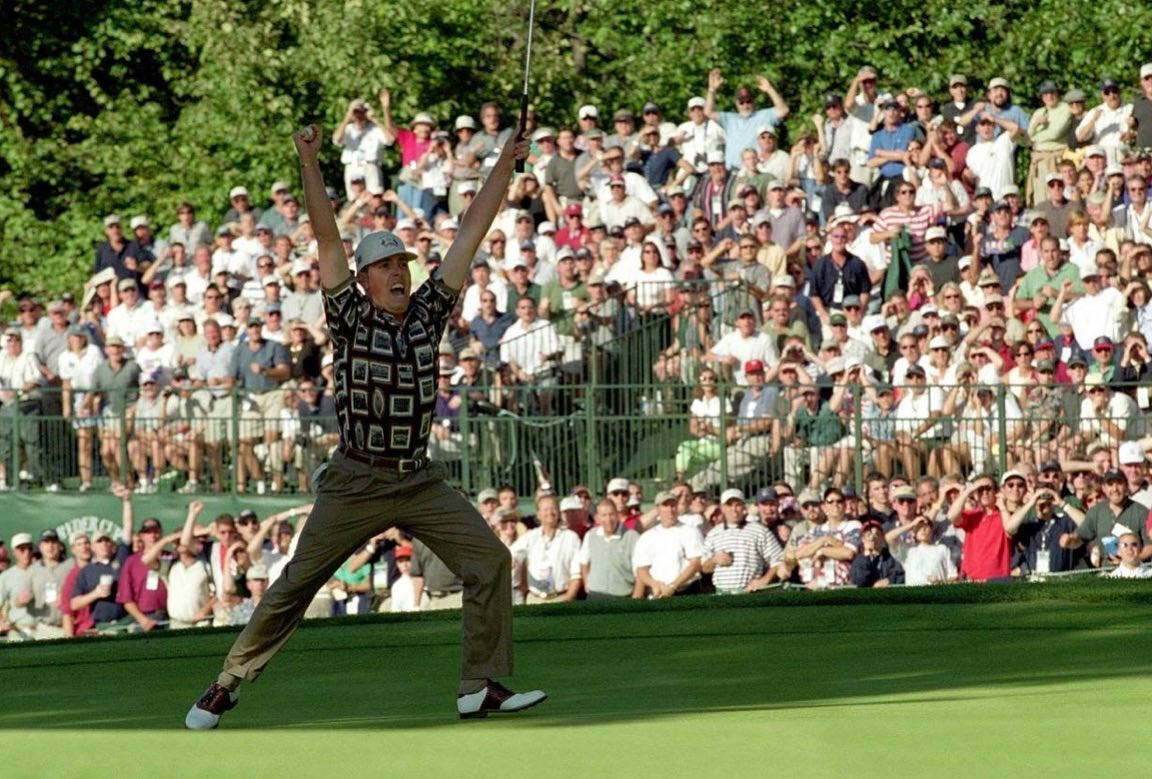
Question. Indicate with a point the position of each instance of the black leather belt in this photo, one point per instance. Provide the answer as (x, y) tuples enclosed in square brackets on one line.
[(398, 464)]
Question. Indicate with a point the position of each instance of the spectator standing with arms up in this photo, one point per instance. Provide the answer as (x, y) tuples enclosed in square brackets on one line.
[(385, 367), (743, 125)]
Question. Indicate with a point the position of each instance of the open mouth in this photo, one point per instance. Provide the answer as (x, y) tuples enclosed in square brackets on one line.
[(397, 288)]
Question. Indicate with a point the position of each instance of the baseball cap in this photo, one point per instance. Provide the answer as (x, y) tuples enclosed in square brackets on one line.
[(1047, 85), (75, 537), (465, 122), (571, 503), (21, 539), (1094, 151), (423, 118), (403, 551), (617, 484), (874, 322), (904, 491), (696, 102), (957, 78), (982, 192), (111, 219), (1102, 341), (236, 192), (1074, 96), (114, 340), (378, 246), (1109, 83), (807, 497), (139, 221), (714, 157), (1050, 465), (1131, 453), (935, 234), (257, 571), (836, 319), (150, 524), (662, 497), (652, 108), (732, 494), (1114, 475), (998, 82), (126, 284), (767, 495), (588, 111), (783, 281), (754, 366), (487, 494)]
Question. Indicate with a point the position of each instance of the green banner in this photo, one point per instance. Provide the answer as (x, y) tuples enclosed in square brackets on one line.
[(33, 513)]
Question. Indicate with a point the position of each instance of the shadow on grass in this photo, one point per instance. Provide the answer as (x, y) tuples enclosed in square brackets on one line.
[(616, 662)]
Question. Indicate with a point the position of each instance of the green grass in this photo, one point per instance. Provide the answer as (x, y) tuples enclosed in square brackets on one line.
[(978, 681)]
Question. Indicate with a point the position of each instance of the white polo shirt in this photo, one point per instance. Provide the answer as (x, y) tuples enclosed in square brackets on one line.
[(552, 562), (667, 551)]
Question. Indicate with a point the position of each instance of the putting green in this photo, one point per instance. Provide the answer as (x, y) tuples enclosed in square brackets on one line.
[(968, 680)]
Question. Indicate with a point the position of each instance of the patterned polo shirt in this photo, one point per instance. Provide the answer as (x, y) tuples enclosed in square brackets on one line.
[(385, 368)]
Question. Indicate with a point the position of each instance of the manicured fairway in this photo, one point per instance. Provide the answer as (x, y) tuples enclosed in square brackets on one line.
[(1041, 680)]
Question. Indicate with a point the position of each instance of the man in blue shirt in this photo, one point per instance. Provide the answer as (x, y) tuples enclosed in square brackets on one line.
[(1000, 105), (740, 125), (889, 147)]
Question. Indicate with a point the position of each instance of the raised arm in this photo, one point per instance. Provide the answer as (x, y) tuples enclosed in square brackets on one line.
[(765, 86), (194, 509), (478, 218), (330, 249), (127, 514), (715, 80)]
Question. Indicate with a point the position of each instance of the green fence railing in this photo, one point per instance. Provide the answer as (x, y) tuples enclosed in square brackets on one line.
[(588, 433)]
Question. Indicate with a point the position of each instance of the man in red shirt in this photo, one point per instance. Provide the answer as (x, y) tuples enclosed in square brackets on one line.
[(142, 591), (574, 233), (76, 622), (987, 547)]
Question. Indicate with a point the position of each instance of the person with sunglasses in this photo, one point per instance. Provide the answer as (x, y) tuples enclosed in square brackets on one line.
[(978, 511)]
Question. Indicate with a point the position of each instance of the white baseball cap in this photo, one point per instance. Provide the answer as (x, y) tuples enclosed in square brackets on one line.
[(465, 122), (715, 157), (546, 228), (405, 224), (237, 192), (139, 221), (1146, 70), (616, 485), (466, 186), (301, 266), (1131, 453), (939, 342), (588, 110), (935, 233), (378, 246), (874, 322), (571, 503), (423, 118), (20, 539), (696, 102), (732, 494)]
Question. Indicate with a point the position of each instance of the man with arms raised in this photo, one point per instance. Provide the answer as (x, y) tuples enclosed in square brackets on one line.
[(385, 368)]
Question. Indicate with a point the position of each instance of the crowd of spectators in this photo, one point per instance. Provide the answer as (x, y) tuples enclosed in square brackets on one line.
[(933, 286), (1028, 523)]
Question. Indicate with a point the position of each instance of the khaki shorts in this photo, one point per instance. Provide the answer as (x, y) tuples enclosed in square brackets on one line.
[(217, 427)]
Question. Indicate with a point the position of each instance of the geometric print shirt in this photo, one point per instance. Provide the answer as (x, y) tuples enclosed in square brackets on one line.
[(384, 368)]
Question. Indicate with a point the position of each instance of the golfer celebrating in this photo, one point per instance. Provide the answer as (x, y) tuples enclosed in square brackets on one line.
[(385, 341)]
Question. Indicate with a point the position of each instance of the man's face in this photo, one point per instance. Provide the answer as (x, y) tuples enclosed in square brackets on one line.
[(910, 349), (998, 96), (1128, 549), (1138, 191), (937, 248), (1111, 97), (607, 518), (388, 283), (834, 506), (490, 118), (986, 129), (104, 548), (769, 511), (23, 555), (746, 325), (959, 92), (548, 512), (813, 512), (1014, 489), (82, 549), (734, 512), (1115, 490), (1135, 472), (508, 499)]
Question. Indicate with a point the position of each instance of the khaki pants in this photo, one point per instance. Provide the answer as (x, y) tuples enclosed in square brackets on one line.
[(450, 600), (355, 502)]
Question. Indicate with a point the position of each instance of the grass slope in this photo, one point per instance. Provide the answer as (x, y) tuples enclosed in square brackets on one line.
[(975, 681)]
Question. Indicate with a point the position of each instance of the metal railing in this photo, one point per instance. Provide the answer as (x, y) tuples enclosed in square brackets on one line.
[(590, 432)]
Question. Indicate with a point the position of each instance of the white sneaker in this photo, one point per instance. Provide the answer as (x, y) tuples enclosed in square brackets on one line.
[(4, 486), (261, 487), (142, 487), (190, 488), (53, 487), (25, 476), (85, 486), (495, 698)]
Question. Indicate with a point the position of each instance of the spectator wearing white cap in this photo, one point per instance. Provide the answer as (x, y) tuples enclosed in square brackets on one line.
[(620, 207), (742, 556), (550, 554), (1109, 124), (145, 244), (360, 139), (696, 137), (240, 203), (1134, 465), (17, 598), (304, 302), (998, 104), (465, 162), (19, 395)]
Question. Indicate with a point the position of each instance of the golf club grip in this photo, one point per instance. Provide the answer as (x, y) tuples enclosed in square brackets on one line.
[(520, 127)]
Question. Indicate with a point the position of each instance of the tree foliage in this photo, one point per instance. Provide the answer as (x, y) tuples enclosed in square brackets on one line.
[(130, 106)]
